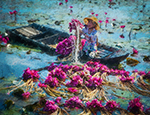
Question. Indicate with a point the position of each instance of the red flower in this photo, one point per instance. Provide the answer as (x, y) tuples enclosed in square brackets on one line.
[(66, 1), (105, 13), (110, 0)]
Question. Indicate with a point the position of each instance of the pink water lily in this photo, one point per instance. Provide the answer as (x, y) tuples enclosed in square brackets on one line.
[(96, 14), (58, 99), (26, 95), (135, 106), (92, 13), (41, 84), (107, 21), (135, 51), (113, 19), (14, 12), (73, 90), (121, 36), (60, 3), (100, 21), (66, 1), (71, 6), (110, 0), (123, 26), (105, 13), (10, 13)]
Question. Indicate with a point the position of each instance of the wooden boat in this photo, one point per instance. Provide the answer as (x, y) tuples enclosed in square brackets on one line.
[(38, 36), (46, 38)]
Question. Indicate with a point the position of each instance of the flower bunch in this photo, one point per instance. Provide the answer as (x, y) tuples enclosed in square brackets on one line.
[(72, 90), (76, 68), (127, 79), (135, 106), (4, 39), (92, 70), (94, 105), (41, 84), (92, 64), (73, 102), (65, 68), (142, 73), (50, 107), (119, 72), (26, 95), (58, 73), (51, 67), (76, 81), (30, 74), (66, 46), (74, 23), (52, 82), (111, 105), (93, 82), (58, 99)]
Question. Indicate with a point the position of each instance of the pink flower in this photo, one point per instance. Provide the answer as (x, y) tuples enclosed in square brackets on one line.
[(110, 0), (73, 90), (105, 13), (135, 106), (123, 26), (73, 102), (26, 95), (135, 51), (92, 13), (121, 36), (96, 14), (113, 19), (10, 13), (94, 106), (60, 3), (107, 21), (42, 85), (100, 21), (71, 6), (4, 40), (66, 1), (14, 12), (111, 105), (58, 99)]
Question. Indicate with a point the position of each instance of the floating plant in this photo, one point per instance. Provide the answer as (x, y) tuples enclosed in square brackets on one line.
[(88, 82)]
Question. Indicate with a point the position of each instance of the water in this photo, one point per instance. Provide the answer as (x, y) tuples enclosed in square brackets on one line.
[(14, 58)]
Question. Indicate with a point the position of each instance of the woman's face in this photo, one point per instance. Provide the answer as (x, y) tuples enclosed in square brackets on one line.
[(91, 24)]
